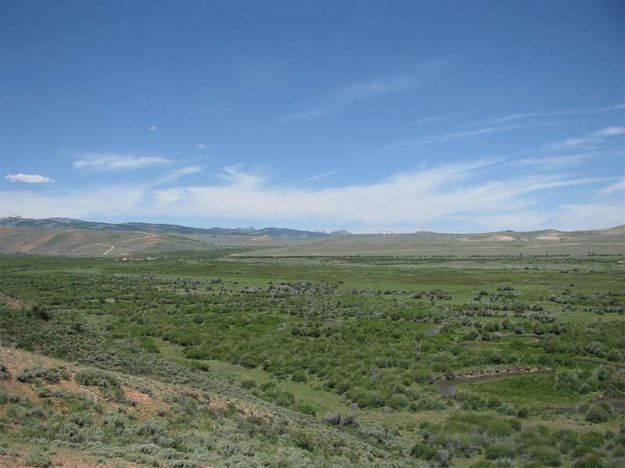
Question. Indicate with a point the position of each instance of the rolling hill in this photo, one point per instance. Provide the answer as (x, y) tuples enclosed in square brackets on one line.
[(70, 241), (63, 236), (553, 242), (69, 223)]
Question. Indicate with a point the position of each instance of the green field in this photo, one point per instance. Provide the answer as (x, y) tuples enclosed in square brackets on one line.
[(248, 360)]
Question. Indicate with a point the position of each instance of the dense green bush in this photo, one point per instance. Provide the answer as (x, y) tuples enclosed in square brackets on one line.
[(51, 375), (598, 413), (39, 459), (500, 450), (107, 383)]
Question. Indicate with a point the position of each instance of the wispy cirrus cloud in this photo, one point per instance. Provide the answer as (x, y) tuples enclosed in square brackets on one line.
[(102, 162), (28, 178), (588, 141), (368, 89), (476, 132), (510, 123), (546, 114), (353, 93), (312, 178), (555, 161), (448, 137), (615, 187), (175, 175)]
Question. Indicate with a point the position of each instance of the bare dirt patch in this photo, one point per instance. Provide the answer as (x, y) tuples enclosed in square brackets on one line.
[(34, 243), (550, 238), (501, 238), (137, 397), (13, 303)]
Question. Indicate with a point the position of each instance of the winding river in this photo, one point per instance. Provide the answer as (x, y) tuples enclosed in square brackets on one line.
[(448, 387)]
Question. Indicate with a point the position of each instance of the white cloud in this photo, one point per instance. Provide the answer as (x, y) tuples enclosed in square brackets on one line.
[(511, 123), (555, 161), (79, 203), (183, 171), (175, 175), (201, 146), (152, 128), (589, 215), (28, 178), (406, 201), (238, 178), (454, 136), (353, 93), (420, 197), (590, 140), (558, 113), (610, 131), (615, 187), (315, 177), (99, 162), (368, 89)]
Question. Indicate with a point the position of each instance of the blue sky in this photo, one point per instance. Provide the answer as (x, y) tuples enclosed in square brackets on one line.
[(362, 115)]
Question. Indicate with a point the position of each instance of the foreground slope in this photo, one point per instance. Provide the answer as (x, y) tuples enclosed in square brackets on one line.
[(66, 414)]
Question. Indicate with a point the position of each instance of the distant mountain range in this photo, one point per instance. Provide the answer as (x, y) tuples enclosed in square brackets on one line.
[(65, 236), (69, 223)]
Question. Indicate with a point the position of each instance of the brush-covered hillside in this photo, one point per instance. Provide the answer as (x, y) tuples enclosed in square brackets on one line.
[(63, 236), (58, 413), (70, 241)]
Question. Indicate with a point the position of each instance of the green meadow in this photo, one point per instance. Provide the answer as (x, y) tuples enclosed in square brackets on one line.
[(323, 361)]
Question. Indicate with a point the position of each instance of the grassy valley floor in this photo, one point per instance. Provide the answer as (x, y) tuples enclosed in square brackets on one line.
[(209, 359)]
